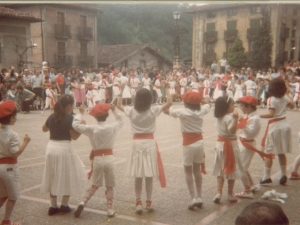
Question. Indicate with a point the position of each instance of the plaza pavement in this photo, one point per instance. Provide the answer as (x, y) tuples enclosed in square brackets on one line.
[(170, 203)]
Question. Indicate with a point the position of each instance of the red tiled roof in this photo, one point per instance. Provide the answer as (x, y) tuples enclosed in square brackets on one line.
[(110, 54), (13, 14), (88, 7)]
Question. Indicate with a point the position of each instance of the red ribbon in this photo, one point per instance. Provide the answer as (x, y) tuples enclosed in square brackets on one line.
[(8, 160), (229, 161), (190, 138)]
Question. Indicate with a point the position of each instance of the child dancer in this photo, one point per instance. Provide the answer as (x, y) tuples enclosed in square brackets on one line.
[(238, 91), (278, 136), (158, 91), (64, 174), (172, 84), (134, 85), (50, 98), (191, 118), (9, 152), (102, 137), (146, 81), (82, 94), (249, 127), (96, 92), (206, 84), (144, 159), (116, 82), (103, 85), (227, 163), (218, 89), (90, 97)]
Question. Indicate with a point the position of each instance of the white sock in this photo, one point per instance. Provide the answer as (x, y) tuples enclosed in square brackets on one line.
[(149, 187), (267, 173), (283, 170), (296, 164), (53, 201), (65, 200), (189, 180)]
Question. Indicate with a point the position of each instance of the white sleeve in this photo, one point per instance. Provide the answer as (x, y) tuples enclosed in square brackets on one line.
[(205, 109), (119, 122), (14, 143), (81, 128), (156, 110), (174, 112), (252, 127), (128, 110)]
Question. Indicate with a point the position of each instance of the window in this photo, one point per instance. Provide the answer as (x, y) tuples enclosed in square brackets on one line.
[(60, 18), (210, 27), (143, 64), (231, 25), (61, 48), (211, 15), (232, 12), (255, 24), (293, 33), (294, 24), (83, 49), (210, 48), (255, 9), (82, 21)]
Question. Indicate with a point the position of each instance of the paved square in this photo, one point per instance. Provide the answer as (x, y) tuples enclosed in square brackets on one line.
[(170, 203)]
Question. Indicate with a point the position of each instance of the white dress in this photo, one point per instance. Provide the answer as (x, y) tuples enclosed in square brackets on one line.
[(126, 91), (238, 92), (90, 99), (146, 83), (96, 91), (172, 87), (157, 89)]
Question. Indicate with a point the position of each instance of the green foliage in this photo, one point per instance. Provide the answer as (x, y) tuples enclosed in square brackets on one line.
[(262, 44), (144, 23), (236, 54)]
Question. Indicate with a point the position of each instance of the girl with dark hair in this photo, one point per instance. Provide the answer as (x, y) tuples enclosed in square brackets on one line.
[(227, 163), (191, 119), (64, 174), (278, 136), (144, 158)]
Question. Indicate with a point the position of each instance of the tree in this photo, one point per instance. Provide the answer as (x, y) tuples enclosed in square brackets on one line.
[(236, 54), (262, 44)]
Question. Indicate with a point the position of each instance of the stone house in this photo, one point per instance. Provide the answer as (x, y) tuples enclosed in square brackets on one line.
[(67, 35), (15, 38), (215, 27), (132, 56)]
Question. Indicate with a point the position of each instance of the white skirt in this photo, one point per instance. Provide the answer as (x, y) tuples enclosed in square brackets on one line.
[(220, 158), (279, 138), (238, 94), (96, 95), (142, 159), (126, 92), (102, 94), (158, 92), (217, 94), (64, 172), (116, 91)]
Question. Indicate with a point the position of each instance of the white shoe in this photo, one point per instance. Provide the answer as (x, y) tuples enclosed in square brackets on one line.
[(110, 212), (231, 198), (217, 198), (138, 209), (192, 204), (199, 202)]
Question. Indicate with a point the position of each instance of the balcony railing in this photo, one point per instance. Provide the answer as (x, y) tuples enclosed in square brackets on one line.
[(62, 31), (85, 61), (230, 35), (251, 32), (284, 33), (85, 33), (211, 36), (209, 57), (63, 60)]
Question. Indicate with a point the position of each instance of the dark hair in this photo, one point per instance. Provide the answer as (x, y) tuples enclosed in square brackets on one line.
[(143, 100), (277, 88), (59, 108), (246, 105), (6, 120), (192, 106), (262, 213), (102, 118), (19, 87), (222, 106)]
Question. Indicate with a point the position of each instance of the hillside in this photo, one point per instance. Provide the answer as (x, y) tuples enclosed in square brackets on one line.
[(144, 23)]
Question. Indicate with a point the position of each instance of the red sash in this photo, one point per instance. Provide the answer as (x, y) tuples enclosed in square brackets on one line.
[(242, 123), (161, 172), (262, 154), (229, 161), (8, 160), (190, 138), (99, 152), (263, 140)]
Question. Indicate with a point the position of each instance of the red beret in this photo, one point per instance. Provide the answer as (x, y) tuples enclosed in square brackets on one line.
[(192, 97), (250, 100), (158, 76), (90, 86), (115, 72), (7, 108), (100, 109), (49, 85)]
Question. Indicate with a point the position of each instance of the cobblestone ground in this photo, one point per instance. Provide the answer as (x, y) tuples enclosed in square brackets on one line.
[(170, 203)]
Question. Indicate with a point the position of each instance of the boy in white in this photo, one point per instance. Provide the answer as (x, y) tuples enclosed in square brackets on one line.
[(50, 98), (90, 97), (183, 84), (158, 91), (103, 84), (102, 137), (206, 84), (249, 127), (146, 82), (10, 149), (191, 118), (134, 84), (250, 86), (116, 82)]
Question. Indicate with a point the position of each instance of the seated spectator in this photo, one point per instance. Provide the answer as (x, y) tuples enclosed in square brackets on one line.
[(262, 213)]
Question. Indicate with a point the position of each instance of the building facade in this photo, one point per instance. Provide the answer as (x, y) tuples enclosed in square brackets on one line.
[(216, 26), (16, 45), (132, 56), (67, 35)]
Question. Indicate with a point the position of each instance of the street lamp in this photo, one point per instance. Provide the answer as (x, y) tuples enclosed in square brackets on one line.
[(176, 63), (21, 63)]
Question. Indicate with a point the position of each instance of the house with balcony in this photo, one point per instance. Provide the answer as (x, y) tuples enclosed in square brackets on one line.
[(216, 26), (15, 38), (67, 35)]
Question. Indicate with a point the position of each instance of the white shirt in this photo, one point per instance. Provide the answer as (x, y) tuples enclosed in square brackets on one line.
[(157, 83), (250, 85), (279, 105), (206, 83), (146, 82), (9, 141), (143, 123), (134, 82), (251, 130), (223, 125), (183, 82), (223, 62), (102, 135), (191, 121)]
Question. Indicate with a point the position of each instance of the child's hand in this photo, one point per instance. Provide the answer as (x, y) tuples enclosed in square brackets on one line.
[(235, 114), (112, 107), (82, 109), (83, 122), (26, 138)]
